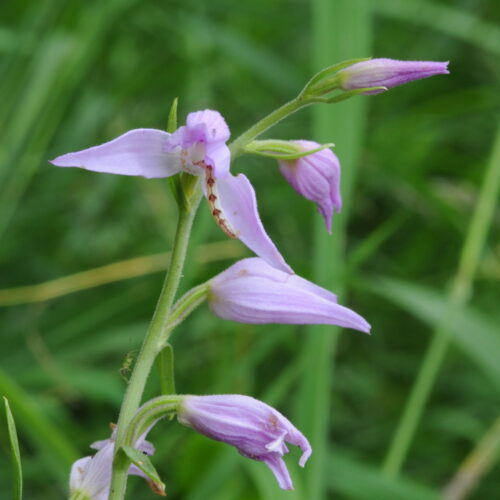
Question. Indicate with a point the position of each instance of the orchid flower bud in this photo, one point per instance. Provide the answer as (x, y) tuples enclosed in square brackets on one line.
[(258, 431), (252, 291), (316, 177), (387, 73)]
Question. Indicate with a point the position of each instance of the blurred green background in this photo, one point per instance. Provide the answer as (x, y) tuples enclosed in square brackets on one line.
[(411, 252)]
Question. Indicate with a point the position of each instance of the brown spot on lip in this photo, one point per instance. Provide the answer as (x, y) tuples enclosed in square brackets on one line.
[(212, 197), (216, 212)]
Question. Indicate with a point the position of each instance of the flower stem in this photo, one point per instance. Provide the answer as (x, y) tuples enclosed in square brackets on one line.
[(154, 341), (237, 146), (459, 295)]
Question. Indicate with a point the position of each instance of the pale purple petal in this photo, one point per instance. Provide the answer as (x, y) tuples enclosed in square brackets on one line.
[(252, 291), (257, 267), (77, 474), (217, 155), (258, 301), (137, 152), (239, 207), (95, 479), (216, 128), (280, 471)]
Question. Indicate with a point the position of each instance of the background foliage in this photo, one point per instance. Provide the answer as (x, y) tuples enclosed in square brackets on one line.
[(74, 74)]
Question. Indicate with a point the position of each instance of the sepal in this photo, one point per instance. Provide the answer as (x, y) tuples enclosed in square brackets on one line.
[(326, 81)]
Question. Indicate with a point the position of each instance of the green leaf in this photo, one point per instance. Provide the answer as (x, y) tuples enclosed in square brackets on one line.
[(172, 117), (17, 487), (144, 463), (472, 331)]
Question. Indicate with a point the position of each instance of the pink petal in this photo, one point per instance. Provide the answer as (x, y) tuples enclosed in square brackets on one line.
[(280, 471), (137, 152), (239, 207), (217, 155), (216, 126)]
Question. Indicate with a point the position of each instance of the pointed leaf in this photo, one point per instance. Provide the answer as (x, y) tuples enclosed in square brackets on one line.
[(143, 462), (17, 487)]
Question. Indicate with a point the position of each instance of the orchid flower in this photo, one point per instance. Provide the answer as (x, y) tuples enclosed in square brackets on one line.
[(91, 476), (198, 148), (315, 177), (258, 431), (252, 291)]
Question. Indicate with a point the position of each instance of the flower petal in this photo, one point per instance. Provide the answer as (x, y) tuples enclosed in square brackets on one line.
[(77, 474), (257, 300), (98, 473), (280, 471), (216, 126), (217, 155), (137, 152), (239, 207)]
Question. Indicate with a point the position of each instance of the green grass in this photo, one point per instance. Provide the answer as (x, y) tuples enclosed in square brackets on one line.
[(73, 74)]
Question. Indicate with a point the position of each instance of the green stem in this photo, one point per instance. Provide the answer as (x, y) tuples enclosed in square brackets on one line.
[(154, 341), (237, 146), (458, 296), (187, 304)]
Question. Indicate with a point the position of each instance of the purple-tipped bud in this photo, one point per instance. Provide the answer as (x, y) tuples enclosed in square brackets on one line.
[(387, 73), (252, 291), (316, 177), (254, 428)]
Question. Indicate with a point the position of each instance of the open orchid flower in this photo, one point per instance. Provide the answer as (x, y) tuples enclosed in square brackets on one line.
[(252, 291), (91, 476), (198, 148), (257, 430), (316, 177)]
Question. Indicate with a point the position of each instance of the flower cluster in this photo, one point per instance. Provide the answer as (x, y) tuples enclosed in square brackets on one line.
[(263, 289)]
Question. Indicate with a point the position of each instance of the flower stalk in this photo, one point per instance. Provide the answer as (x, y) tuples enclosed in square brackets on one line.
[(154, 341), (238, 145)]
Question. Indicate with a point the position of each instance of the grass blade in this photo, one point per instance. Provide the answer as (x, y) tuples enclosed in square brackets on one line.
[(17, 485)]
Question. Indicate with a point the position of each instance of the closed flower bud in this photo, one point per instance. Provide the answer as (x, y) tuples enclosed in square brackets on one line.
[(258, 431), (316, 177), (252, 291), (387, 73)]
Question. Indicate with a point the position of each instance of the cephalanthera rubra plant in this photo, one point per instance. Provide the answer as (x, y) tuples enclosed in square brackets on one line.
[(263, 289)]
